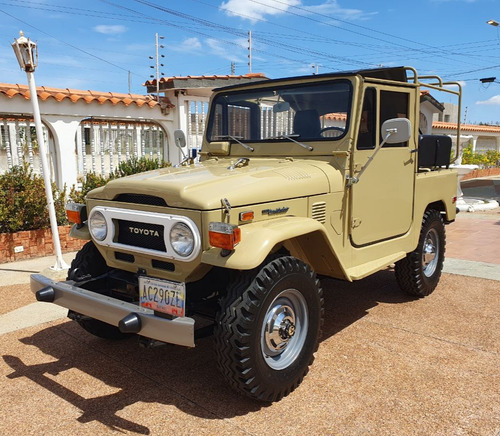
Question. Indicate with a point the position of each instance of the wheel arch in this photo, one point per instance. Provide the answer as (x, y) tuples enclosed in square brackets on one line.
[(440, 206), (304, 238)]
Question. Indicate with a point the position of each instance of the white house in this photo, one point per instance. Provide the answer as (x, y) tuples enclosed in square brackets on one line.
[(92, 131)]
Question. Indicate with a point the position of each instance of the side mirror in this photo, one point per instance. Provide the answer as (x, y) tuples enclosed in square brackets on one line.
[(396, 130), (180, 139)]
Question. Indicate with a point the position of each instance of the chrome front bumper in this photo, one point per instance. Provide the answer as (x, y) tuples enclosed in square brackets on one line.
[(179, 331)]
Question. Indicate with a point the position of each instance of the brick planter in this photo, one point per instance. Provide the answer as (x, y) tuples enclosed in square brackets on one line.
[(485, 172), (35, 243)]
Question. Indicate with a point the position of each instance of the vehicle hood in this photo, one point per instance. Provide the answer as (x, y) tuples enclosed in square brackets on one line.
[(201, 186)]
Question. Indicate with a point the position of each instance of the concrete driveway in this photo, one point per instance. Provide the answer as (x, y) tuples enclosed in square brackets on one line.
[(387, 365)]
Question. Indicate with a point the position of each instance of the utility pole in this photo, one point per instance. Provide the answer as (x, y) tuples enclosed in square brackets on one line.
[(233, 68), (250, 51), (157, 64)]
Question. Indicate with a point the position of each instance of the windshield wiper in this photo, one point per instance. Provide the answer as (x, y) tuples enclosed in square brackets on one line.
[(290, 138), (237, 139)]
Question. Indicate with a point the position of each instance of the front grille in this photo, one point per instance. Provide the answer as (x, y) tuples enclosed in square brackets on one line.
[(144, 235), (141, 199)]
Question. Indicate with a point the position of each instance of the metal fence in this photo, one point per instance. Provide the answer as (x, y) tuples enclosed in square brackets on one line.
[(18, 144), (101, 145)]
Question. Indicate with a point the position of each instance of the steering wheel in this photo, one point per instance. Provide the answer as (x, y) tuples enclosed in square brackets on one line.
[(336, 131)]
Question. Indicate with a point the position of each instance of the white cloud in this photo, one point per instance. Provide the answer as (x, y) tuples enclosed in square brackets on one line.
[(333, 9), (254, 11), (226, 52), (110, 29), (495, 100), (257, 10), (190, 44)]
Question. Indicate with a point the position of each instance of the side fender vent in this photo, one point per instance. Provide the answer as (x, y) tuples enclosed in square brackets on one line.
[(318, 212)]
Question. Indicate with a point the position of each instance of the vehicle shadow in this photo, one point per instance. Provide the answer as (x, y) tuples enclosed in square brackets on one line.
[(186, 378)]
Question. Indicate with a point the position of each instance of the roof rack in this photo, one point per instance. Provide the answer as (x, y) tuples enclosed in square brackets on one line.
[(436, 83)]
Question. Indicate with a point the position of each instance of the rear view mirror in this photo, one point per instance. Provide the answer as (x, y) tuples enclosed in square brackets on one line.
[(396, 130), (282, 106), (180, 139)]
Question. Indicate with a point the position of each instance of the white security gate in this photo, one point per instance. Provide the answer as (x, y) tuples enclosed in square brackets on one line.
[(18, 144), (196, 113), (103, 144)]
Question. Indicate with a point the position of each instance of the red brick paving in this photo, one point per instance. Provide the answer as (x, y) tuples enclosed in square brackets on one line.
[(475, 236)]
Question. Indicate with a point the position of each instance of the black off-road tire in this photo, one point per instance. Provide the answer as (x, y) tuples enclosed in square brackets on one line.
[(268, 328), (419, 272), (88, 263)]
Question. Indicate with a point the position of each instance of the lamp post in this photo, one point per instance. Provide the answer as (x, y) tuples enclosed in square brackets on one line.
[(27, 56)]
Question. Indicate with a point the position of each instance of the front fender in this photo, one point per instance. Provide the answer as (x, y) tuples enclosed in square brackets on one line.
[(258, 239)]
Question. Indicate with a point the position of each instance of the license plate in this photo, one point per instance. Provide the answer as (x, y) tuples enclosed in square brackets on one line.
[(163, 295)]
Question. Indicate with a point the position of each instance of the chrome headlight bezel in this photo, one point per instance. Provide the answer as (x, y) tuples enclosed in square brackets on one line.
[(182, 239), (98, 226)]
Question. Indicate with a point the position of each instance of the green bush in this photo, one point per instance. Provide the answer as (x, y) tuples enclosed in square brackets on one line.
[(89, 182), (486, 159), (138, 165), (127, 168), (23, 203)]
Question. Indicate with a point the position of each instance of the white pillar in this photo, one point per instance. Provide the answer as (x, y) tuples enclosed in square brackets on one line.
[(474, 142), (64, 131)]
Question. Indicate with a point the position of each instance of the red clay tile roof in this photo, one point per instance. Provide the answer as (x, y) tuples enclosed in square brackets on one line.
[(335, 116), (226, 77), (75, 95), (466, 127)]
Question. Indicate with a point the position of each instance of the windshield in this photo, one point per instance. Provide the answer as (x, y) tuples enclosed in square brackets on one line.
[(314, 111)]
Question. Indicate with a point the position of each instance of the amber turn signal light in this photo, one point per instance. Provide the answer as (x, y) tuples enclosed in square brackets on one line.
[(246, 216), (224, 235), (76, 213)]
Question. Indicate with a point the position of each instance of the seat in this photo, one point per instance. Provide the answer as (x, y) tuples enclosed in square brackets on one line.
[(307, 124)]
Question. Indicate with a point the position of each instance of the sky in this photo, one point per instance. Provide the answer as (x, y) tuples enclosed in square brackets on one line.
[(105, 45)]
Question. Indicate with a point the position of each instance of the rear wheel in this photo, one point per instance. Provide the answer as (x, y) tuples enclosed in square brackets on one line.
[(268, 328), (89, 263), (419, 272)]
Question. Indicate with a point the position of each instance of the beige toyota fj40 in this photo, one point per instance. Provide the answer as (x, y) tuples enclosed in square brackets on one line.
[(298, 178)]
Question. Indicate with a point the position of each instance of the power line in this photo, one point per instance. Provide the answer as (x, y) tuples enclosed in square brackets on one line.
[(67, 43)]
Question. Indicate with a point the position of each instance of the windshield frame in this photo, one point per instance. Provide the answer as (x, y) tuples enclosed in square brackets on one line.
[(295, 96)]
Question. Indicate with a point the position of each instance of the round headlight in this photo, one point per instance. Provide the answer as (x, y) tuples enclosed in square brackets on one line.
[(182, 239), (98, 226)]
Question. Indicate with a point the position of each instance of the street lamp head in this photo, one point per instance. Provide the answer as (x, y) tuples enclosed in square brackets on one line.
[(492, 23), (26, 53)]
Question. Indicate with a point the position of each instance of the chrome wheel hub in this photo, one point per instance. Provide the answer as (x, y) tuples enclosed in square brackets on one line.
[(430, 252), (284, 329)]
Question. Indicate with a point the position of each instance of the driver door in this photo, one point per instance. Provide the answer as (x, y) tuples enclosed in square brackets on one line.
[(382, 200)]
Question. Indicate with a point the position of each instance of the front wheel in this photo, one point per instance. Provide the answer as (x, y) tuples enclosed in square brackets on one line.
[(87, 264), (419, 272), (268, 328)]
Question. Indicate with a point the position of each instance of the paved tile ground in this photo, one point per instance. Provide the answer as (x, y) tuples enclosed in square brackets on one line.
[(387, 365), (475, 236)]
